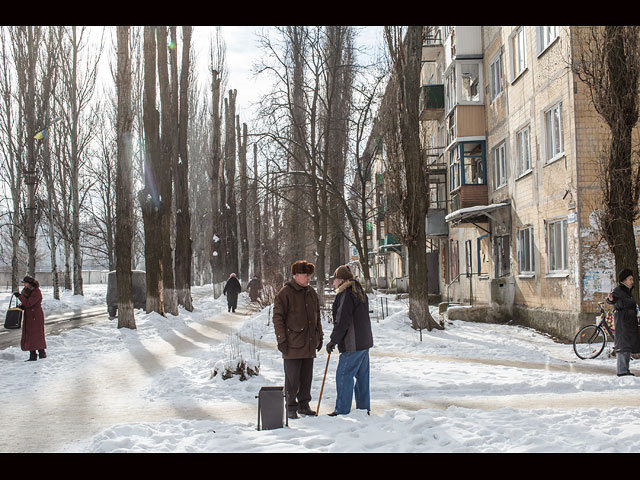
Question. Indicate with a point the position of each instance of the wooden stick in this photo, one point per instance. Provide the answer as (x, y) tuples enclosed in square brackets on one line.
[(322, 388)]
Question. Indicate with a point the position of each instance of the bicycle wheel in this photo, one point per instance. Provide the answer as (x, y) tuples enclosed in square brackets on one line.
[(589, 342)]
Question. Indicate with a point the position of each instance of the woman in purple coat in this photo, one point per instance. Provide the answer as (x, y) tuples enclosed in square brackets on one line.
[(33, 321)]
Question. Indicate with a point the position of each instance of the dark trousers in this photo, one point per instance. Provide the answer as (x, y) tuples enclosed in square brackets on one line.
[(298, 374)]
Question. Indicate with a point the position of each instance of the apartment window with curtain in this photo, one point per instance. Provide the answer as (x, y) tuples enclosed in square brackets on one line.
[(499, 166), (526, 263), (546, 36), (554, 135), (518, 53), (557, 246), (495, 77), (523, 150)]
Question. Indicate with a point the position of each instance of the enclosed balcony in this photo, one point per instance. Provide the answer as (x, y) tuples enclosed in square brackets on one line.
[(468, 175), (431, 102)]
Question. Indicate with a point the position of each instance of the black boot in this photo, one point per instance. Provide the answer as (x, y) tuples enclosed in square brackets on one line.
[(42, 354), (32, 356)]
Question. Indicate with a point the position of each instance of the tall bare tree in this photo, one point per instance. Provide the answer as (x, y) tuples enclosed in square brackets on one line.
[(183, 216), (124, 183), (149, 197), (405, 51), (607, 60)]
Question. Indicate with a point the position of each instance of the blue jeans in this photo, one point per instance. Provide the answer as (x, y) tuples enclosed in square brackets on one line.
[(352, 365)]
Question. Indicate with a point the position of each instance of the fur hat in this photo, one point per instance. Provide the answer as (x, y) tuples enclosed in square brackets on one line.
[(302, 266), (343, 272), (624, 273), (31, 281)]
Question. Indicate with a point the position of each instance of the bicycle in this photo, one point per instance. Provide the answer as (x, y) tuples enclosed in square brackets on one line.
[(590, 341)]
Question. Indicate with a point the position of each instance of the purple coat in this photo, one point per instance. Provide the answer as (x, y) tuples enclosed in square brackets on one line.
[(32, 321)]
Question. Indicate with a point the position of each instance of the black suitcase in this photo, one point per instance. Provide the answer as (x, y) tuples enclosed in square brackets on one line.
[(13, 319), (271, 408)]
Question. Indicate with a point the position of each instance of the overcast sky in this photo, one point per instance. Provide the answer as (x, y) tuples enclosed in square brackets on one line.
[(242, 51)]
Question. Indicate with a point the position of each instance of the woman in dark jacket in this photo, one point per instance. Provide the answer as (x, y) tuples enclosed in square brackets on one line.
[(352, 334), (33, 322), (231, 290), (625, 321)]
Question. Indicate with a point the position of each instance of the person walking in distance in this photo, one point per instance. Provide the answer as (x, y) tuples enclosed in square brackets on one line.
[(352, 334), (625, 321), (231, 289), (33, 323), (298, 329)]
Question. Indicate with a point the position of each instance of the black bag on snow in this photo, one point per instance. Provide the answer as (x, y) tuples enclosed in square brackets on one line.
[(14, 316)]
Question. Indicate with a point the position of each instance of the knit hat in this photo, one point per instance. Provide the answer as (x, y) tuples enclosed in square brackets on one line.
[(343, 272), (302, 266), (624, 274)]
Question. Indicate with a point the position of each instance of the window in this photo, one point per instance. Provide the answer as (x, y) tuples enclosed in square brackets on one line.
[(499, 166), (455, 260), (437, 191), (474, 163), (546, 35), (554, 142), (468, 254), (523, 151), (495, 73), (518, 53), (501, 255), (450, 89), (558, 246), (470, 82), (526, 264), (454, 168)]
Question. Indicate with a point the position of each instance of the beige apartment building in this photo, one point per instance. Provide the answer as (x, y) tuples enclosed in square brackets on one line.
[(512, 140)]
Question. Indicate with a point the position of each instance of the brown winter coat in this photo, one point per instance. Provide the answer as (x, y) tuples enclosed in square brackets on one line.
[(296, 320), (33, 320)]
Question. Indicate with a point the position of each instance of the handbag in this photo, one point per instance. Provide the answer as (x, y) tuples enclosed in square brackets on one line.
[(13, 319)]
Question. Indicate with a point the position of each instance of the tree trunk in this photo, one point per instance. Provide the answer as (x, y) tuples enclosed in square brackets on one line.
[(243, 240), (183, 218), (149, 196), (124, 183), (229, 209)]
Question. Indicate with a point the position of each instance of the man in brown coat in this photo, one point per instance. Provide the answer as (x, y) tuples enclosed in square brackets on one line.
[(296, 320)]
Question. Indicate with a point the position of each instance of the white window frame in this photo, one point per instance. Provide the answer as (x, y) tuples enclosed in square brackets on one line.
[(518, 47), (553, 133), (526, 251), (495, 74), (499, 166), (523, 152), (557, 236), (546, 36)]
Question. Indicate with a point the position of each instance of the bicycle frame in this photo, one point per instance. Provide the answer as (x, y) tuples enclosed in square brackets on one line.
[(602, 321)]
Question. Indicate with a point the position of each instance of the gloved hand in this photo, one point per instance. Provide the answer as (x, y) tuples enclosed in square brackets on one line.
[(17, 294), (330, 347), (283, 347), (319, 346)]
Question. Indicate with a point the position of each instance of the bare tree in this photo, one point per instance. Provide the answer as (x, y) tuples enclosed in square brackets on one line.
[(124, 184), (404, 131), (607, 60), (149, 197), (183, 217)]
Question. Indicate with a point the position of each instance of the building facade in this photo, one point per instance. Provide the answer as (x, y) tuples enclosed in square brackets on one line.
[(512, 143)]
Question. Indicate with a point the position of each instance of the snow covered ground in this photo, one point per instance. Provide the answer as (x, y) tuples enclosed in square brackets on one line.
[(452, 391)]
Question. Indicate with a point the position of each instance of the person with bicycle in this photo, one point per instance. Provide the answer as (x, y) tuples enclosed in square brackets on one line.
[(625, 321)]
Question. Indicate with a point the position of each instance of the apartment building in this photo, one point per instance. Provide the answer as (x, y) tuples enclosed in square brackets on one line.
[(511, 140)]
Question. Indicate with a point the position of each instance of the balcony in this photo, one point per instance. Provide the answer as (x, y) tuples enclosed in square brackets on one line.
[(431, 102), (469, 196), (432, 46)]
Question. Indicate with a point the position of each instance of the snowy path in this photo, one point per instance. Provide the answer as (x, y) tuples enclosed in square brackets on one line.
[(95, 396), (150, 389)]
